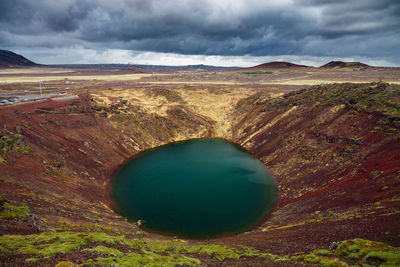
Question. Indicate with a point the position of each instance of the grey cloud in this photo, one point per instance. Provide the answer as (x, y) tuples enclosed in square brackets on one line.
[(249, 27)]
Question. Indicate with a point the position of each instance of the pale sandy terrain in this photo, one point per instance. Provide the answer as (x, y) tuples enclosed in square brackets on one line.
[(192, 82), (307, 76), (217, 107), (33, 70), (121, 77)]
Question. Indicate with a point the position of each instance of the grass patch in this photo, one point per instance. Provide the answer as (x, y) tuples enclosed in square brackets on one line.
[(65, 264)]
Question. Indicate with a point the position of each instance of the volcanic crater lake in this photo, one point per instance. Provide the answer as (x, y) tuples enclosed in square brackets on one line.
[(195, 189)]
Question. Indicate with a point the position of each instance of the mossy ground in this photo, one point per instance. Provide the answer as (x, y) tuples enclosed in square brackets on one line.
[(107, 250), (120, 250), (374, 253), (374, 97), (355, 252)]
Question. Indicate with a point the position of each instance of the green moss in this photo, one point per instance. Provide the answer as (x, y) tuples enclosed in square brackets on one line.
[(322, 261), (177, 252), (272, 257), (105, 251), (323, 252), (311, 258), (20, 213), (52, 243), (325, 262), (219, 252), (44, 244), (32, 259), (366, 250), (376, 97), (216, 251), (95, 226), (90, 227), (146, 259), (65, 264), (387, 258)]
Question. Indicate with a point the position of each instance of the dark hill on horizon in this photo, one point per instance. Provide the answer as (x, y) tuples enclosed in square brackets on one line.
[(276, 65), (341, 64), (11, 59)]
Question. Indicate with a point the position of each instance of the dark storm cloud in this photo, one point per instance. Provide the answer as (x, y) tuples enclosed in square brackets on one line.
[(358, 17), (367, 28)]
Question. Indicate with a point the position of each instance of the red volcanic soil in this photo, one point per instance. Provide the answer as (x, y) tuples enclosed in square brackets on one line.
[(74, 151), (334, 151), (337, 164)]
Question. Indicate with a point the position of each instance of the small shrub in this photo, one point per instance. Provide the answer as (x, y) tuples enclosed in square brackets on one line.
[(11, 142)]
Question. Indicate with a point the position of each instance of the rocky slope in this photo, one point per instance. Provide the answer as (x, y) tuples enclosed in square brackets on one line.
[(334, 151)]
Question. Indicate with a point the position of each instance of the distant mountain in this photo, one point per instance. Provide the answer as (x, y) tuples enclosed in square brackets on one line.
[(276, 65), (341, 64), (11, 59)]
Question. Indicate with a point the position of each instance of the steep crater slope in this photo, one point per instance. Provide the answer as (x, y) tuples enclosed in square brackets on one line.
[(334, 150), (74, 145), (335, 153)]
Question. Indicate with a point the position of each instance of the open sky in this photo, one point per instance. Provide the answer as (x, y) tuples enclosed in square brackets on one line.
[(213, 32)]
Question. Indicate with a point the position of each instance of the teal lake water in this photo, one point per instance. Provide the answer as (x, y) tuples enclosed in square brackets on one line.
[(195, 189)]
